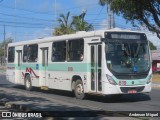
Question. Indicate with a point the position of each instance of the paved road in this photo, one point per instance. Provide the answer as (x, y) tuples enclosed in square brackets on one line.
[(54, 100)]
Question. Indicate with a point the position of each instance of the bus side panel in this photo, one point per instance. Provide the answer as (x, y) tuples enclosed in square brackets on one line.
[(31, 69), (61, 74), (59, 78), (10, 73)]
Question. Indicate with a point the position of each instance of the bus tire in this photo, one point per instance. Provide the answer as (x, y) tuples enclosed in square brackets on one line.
[(28, 84), (79, 90)]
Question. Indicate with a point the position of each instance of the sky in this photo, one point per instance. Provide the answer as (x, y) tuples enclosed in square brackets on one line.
[(30, 19)]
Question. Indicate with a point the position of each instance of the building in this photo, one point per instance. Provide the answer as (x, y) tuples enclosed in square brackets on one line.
[(155, 60)]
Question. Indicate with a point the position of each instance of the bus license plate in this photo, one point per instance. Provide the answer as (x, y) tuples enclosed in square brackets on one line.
[(132, 91)]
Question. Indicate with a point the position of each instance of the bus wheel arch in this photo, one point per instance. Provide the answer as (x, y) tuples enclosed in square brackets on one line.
[(74, 78), (77, 87), (28, 82)]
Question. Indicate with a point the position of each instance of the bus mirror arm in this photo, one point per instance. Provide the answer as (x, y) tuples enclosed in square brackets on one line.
[(103, 39)]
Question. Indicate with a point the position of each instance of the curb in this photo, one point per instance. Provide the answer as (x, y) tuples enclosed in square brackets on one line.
[(155, 85)]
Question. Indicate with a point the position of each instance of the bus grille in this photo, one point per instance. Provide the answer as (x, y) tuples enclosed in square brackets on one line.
[(126, 89), (131, 77)]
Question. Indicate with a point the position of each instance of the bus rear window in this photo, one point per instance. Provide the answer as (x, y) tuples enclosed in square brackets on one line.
[(11, 54)]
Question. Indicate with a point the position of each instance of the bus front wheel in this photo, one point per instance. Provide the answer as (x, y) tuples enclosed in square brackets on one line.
[(79, 90), (28, 84)]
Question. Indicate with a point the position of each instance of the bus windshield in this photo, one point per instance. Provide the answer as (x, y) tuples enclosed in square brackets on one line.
[(123, 56)]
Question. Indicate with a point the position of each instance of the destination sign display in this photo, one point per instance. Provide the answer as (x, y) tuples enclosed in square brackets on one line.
[(125, 35)]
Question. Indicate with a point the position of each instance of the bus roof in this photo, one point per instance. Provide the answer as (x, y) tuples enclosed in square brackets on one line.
[(80, 34)]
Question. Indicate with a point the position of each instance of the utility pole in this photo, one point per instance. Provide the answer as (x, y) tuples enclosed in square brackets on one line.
[(110, 21), (4, 60), (15, 20)]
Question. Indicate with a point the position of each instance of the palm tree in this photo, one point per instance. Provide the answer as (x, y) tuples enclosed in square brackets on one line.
[(80, 24), (102, 2), (65, 26)]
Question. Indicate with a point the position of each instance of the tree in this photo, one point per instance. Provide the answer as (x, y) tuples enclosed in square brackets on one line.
[(77, 23), (65, 25), (104, 2), (144, 11), (80, 23), (152, 47), (3, 46)]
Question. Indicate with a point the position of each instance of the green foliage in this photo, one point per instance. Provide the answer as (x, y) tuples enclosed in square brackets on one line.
[(69, 26), (3, 46), (103, 2), (144, 11), (1, 51), (65, 27), (152, 47), (80, 24)]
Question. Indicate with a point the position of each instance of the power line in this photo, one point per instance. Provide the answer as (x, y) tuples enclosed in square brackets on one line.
[(37, 12), (24, 23), (21, 26), (98, 14), (1, 1), (27, 17), (4, 6)]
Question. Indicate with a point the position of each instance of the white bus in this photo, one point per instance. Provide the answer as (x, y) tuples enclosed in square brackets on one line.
[(104, 62)]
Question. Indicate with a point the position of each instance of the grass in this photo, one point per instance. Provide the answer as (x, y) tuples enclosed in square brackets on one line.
[(156, 78), (2, 69)]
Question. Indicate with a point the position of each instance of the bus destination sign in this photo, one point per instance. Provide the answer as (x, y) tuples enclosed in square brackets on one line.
[(125, 36)]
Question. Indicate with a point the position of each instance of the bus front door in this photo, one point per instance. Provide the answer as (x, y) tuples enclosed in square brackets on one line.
[(96, 67), (44, 69), (18, 72)]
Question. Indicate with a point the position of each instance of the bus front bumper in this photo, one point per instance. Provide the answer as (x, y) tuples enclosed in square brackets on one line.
[(116, 89)]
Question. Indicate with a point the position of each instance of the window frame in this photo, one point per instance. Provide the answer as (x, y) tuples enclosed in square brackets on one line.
[(13, 55), (75, 40), (26, 52), (64, 41)]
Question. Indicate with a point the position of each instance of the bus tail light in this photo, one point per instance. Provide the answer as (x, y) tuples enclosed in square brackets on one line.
[(149, 79), (111, 80)]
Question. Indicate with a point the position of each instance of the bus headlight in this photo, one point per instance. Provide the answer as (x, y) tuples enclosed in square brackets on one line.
[(149, 79), (111, 80)]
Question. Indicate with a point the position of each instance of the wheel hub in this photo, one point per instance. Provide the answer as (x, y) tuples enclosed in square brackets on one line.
[(79, 89), (27, 83)]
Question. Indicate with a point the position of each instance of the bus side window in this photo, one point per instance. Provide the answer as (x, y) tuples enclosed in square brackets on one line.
[(58, 51), (30, 53), (25, 53), (75, 50), (11, 54)]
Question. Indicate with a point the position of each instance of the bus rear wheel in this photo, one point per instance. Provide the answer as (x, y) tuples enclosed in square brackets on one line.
[(28, 84), (79, 90)]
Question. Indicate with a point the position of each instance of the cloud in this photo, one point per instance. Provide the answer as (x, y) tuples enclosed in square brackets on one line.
[(41, 33), (44, 6), (153, 38), (101, 25), (58, 7), (85, 5), (44, 32), (21, 3), (9, 35)]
